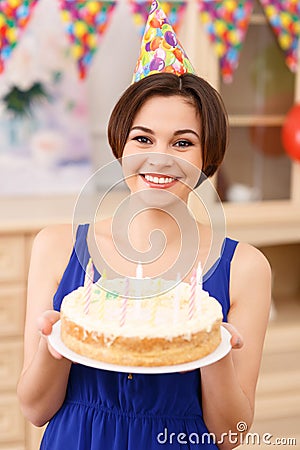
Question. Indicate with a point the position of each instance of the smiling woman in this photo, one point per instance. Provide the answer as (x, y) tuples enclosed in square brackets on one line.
[(211, 123), (165, 139), (164, 130)]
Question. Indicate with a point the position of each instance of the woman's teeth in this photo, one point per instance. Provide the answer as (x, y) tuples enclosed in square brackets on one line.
[(159, 180)]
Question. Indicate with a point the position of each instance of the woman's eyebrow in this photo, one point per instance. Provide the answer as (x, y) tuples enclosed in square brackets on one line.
[(176, 133), (185, 131), (144, 129)]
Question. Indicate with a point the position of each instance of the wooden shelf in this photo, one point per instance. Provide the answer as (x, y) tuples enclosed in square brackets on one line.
[(261, 120)]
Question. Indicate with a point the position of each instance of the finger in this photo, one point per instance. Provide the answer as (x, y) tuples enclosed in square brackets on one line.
[(236, 340), (54, 353), (46, 321)]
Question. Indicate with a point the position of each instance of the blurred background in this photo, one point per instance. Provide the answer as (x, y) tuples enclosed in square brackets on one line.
[(63, 65)]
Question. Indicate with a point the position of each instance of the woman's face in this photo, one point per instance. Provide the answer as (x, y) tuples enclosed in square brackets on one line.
[(163, 149)]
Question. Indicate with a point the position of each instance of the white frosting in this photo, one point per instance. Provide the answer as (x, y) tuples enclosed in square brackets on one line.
[(165, 315)]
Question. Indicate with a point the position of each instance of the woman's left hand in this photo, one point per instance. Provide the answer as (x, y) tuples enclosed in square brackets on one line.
[(236, 338)]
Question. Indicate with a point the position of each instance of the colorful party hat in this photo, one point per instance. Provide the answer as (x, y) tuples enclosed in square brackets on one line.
[(161, 50), (174, 10)]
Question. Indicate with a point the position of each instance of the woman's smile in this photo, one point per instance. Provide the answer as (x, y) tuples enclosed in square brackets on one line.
[(163, 149), (159, 180)]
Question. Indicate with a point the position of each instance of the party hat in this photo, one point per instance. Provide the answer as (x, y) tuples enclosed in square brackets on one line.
[(161, 50)]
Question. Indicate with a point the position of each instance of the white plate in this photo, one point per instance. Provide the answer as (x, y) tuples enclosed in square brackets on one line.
[(222, 350)]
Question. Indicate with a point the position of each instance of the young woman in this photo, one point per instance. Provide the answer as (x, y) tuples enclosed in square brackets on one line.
[(162, 128)]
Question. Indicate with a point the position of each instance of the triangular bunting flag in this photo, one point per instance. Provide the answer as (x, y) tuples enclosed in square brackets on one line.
[(174, 10), (226, 22), (284, 17), (85, 22), (14, 16)]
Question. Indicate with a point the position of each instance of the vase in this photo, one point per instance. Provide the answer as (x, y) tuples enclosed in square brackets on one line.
[(19, 133)]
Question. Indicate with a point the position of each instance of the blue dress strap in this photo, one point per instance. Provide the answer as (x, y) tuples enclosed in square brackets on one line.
[(228, 248), (217, 279), (74, 273)]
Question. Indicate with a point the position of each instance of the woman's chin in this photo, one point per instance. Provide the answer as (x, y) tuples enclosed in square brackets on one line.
[(156, 198)]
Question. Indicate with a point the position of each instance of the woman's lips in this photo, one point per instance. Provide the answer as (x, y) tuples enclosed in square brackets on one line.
[(159, 181)]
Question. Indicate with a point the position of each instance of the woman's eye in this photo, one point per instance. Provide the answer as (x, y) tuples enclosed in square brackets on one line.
[(142, 139), (183, 143)]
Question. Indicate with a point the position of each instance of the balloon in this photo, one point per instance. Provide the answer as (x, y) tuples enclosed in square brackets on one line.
[(290, 133)]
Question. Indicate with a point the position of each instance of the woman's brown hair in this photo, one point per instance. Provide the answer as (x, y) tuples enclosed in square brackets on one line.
[(207, 101)]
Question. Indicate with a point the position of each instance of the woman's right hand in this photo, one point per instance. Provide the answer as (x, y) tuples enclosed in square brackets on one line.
[(45, 324)]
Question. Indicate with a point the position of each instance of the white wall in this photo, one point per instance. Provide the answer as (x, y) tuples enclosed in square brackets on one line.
[(110, 74)]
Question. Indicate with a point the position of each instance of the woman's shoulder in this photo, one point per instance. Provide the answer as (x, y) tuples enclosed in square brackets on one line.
[(250, 269), (247, 256), (53, 235), (53, 246)]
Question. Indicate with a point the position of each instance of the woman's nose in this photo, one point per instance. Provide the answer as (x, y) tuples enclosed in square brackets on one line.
[(160, 159)]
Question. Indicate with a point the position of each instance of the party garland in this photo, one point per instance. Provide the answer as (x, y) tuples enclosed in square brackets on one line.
[(226, 22)]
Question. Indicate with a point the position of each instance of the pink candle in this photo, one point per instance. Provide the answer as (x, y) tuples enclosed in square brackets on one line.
[(124, 303), (88, 284), (176, 304), (193, 285)]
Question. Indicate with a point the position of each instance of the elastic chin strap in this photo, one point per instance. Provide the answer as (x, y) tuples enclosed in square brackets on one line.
[(202, 178)]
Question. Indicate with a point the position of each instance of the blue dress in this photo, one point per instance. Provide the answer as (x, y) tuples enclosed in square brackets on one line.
[(106, 410)]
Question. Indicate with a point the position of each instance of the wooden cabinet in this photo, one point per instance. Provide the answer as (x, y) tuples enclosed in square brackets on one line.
[(277, 409), (15, 432), (12, 311), (257, 101)]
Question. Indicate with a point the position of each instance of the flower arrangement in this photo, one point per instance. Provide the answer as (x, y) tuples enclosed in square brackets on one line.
[(20, 103), (36, 63)]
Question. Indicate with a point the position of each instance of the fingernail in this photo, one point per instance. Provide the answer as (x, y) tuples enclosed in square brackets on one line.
[(238, 342)]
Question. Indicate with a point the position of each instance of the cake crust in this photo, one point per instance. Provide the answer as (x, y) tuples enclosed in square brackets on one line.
[(134, 351), (151, 331)]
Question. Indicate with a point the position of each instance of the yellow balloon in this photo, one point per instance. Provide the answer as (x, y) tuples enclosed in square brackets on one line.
[(11, 35), (230, 5), (92, 41), (233, 37), (220, 48), (66, 16), (77, 51), (14, 3), (270, 11), (80, 29), (286, 19), (205, 17), (297, 28), (220, 26), (150, 34), (93, 7), (285, 41)]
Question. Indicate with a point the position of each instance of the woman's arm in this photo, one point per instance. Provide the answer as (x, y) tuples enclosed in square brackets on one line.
[(42, 384), (228, 386)]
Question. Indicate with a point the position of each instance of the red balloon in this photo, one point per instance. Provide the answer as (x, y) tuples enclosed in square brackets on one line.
[(290, 133)]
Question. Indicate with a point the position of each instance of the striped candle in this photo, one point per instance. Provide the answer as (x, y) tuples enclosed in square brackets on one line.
[(154, 311), (102, 296), (176, 303), (193, 285), (155, 303), (199, 287), (124, 303), (88, 284), (139, 276), (199, 275)]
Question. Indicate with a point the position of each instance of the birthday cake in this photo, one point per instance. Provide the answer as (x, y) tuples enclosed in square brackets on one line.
[(141, 328)]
